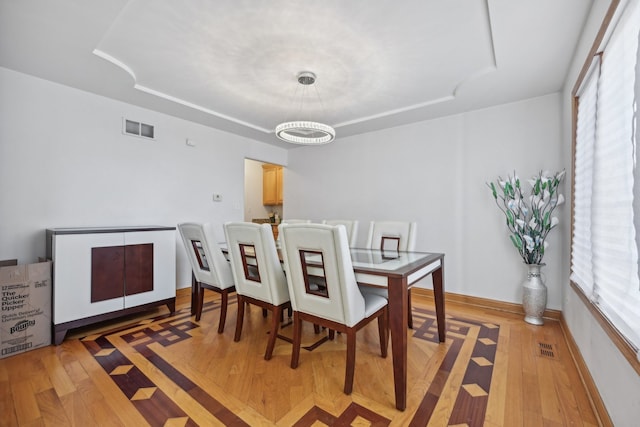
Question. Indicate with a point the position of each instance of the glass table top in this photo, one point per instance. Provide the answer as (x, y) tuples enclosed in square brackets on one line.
[(374, 259)]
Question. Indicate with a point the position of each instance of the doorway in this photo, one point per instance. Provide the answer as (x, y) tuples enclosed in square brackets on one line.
[(254, 208)]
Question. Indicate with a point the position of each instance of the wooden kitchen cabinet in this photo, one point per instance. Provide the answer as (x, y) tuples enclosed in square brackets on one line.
[(271, 185), (104, 273)]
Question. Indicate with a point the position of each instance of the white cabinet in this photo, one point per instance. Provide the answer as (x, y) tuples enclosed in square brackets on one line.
[(103, 273)]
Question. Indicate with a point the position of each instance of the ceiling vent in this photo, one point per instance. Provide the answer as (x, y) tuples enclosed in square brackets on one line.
[(143, 130)]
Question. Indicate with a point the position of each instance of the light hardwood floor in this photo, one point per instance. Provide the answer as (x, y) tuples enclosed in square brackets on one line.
[(161, 369)]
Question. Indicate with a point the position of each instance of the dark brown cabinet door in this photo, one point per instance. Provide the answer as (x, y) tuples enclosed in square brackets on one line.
[(138, 263), (117, 271), (107, 273)]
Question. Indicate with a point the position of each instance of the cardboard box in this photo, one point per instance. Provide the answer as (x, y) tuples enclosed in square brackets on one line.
[(25, 302)]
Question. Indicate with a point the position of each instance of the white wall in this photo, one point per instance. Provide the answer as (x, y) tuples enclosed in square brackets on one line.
[(65, 162), (435, 173), (617, 381)]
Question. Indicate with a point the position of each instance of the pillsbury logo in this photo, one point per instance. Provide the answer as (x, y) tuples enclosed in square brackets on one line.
[(21, 326)]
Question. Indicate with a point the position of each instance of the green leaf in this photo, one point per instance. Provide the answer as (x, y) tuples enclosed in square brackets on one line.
[(517, 241), (507, 189), (493, 190), (510, 219)]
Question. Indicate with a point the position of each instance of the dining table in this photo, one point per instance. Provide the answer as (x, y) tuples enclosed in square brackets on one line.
[(397, 271)]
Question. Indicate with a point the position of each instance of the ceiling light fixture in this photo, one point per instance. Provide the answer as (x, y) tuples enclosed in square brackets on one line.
[(305, 132)]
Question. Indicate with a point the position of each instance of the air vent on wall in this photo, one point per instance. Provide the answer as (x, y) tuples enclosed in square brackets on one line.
[(130, 127)]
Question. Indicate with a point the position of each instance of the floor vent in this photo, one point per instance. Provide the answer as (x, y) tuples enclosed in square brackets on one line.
[(131, 127), (546, 350)]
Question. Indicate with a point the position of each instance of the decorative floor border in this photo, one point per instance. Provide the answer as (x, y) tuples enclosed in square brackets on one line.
[(158, 409)]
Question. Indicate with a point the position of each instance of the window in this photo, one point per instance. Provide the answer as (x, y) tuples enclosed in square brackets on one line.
[(604, 250)]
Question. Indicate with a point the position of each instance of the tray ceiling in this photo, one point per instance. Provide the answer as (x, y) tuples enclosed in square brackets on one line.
[(233, 64)]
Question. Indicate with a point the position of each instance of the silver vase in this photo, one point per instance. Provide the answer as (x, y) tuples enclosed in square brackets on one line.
[(534, 298)]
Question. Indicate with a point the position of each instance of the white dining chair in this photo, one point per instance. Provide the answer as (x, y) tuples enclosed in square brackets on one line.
[(292, 221), (296, 221), (208, 264), (258, 274), (350, 225), (320, 251), (391, 237)]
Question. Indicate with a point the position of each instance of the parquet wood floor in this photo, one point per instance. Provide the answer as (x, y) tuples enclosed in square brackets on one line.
[(168, 370)]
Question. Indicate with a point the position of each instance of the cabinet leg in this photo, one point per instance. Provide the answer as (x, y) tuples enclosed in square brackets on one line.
[(58, 336), (171, 305)]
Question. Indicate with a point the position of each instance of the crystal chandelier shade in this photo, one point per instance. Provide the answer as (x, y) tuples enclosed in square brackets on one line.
[(305, 132)]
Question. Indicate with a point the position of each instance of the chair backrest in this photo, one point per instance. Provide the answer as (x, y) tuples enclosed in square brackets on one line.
[(208, 263), (314, 252), (293, 221), (254, 262), (392, 235), (296, 221), (350, 225)]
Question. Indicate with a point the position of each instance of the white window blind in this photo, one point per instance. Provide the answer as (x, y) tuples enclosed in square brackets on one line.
[(582, 266), (604, 249)]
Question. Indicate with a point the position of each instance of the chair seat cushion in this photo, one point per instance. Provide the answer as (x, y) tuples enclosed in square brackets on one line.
[(373, 303)]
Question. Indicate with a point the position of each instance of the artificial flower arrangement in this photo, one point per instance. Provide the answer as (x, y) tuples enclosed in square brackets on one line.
[(529, 219)]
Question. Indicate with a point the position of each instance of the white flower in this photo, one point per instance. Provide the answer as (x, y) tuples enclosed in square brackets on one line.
[(530, 242), (541, 203), (527, 215)]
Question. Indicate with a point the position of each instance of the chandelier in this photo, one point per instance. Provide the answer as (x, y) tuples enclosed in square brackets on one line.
[(305, 132)]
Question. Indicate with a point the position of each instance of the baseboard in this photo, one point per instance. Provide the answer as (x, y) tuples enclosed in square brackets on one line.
[(592, 391), (485, 303)]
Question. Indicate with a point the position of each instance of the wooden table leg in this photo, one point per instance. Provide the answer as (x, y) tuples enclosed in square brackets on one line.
[(438, 295), (398, 316)]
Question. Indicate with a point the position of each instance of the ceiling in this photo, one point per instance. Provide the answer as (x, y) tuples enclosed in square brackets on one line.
[(232, 64)]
